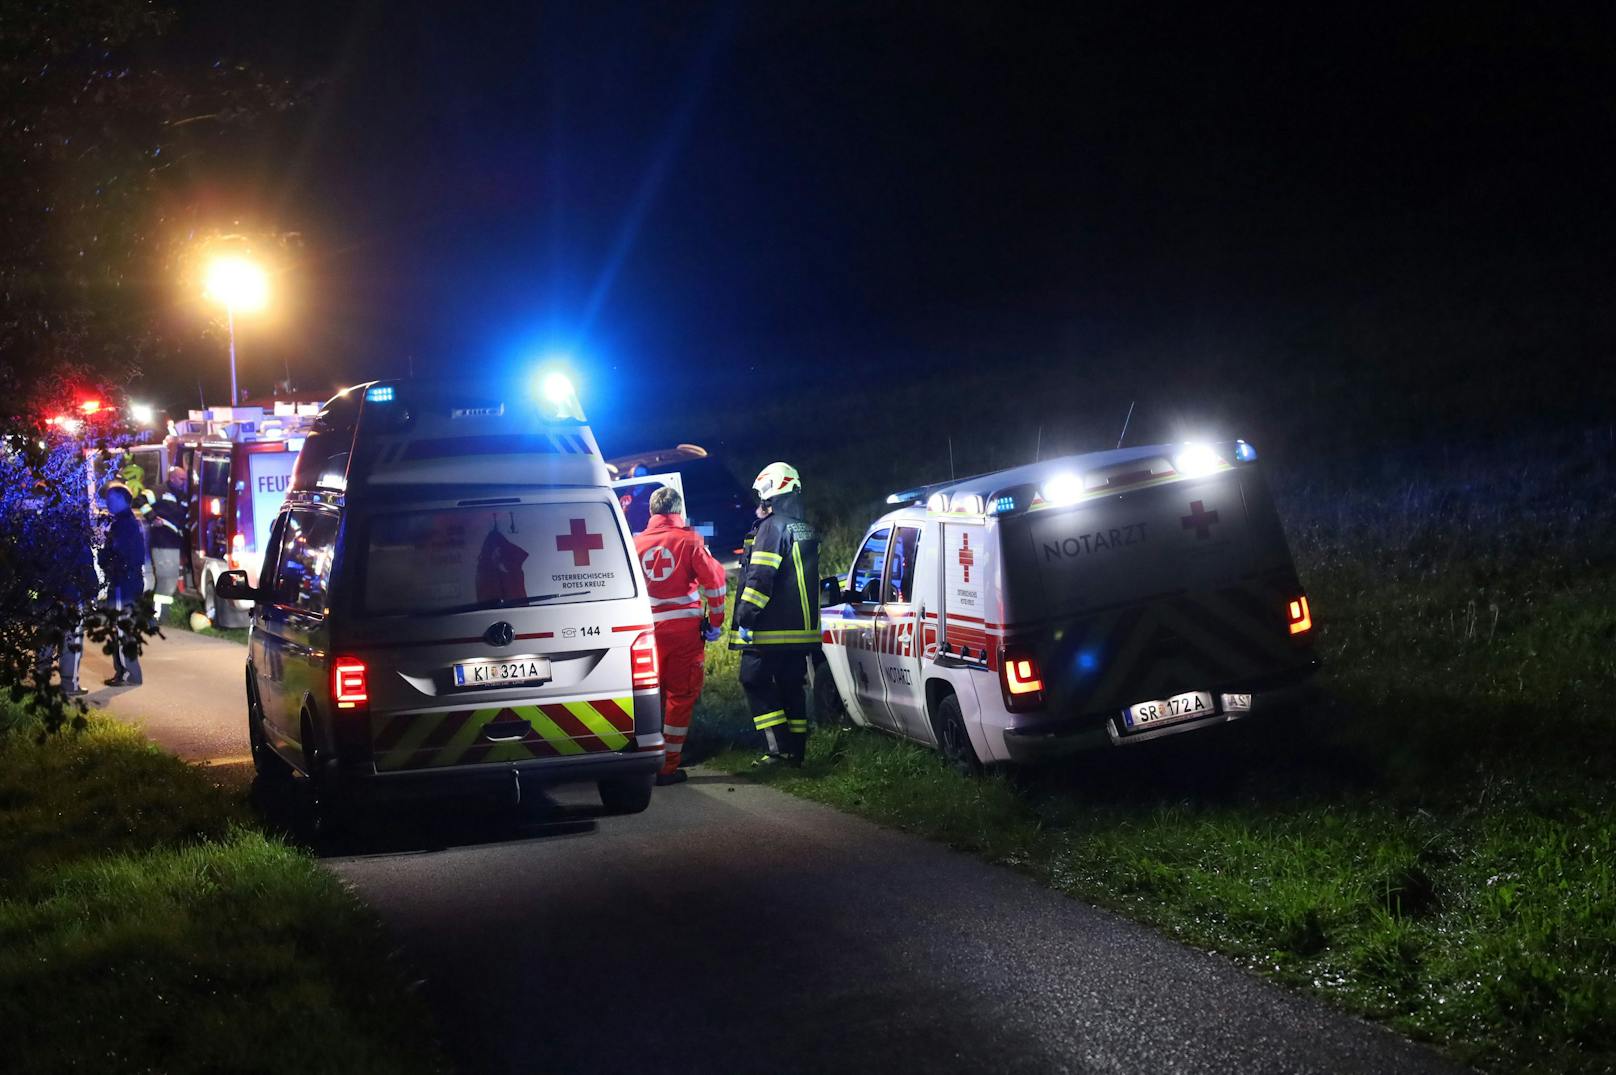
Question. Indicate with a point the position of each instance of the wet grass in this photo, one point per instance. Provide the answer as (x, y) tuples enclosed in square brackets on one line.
[(1433, 845), (147, 924)]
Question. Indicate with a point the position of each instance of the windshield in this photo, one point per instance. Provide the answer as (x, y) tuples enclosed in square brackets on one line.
[(511, 556)]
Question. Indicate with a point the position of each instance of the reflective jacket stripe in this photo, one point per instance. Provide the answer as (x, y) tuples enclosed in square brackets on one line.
[(767, 559), (670, 602), (752, 597), (676, 614)]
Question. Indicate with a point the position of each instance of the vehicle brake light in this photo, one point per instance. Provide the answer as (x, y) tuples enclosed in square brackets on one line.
[(1023, 682), (643, 662), (214, 507), (238, 545), (348, 682), (1301, 617)]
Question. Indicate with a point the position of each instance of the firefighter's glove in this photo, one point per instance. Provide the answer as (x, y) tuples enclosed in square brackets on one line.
[(745, 633), (710, 632)]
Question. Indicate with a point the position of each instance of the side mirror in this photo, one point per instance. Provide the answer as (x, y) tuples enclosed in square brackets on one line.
[(233, 586), (830, 592)]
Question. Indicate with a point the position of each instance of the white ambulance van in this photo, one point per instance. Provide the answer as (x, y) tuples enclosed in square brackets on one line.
[(1109, 598), (448, 596)]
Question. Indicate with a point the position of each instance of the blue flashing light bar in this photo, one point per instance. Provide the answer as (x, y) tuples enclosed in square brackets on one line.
[(1244, 452), (379, 393), (1002, 505)]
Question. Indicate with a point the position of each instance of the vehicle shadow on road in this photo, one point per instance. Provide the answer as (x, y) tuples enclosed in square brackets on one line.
[(415, 826)]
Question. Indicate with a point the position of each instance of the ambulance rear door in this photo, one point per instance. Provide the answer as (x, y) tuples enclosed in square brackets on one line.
[(964, 629), (634, 494)]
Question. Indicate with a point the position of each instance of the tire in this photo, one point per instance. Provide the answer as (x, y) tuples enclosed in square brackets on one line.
[(627, 794), (266, 763), (953, 740), (210, 601), (333, 809), (829, 710)]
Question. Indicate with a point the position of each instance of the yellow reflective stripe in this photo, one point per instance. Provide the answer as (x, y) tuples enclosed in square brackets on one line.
[(785, 636), (797, 725), (462, 740), (421, 725), (753, 597), (767, 559), (769, 720), (512, 751), (598, 724), (551, 731), (802, 587)]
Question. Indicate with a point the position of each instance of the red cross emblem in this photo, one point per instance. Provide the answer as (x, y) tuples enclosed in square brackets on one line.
[(966, 557), (580, 542), (1199, 519), (658, 563)]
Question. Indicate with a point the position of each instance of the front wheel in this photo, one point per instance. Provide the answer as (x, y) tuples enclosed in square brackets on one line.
[(953, 740), (627, 794)]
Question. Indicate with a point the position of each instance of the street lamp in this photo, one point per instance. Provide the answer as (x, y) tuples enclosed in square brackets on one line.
[(240, 286)]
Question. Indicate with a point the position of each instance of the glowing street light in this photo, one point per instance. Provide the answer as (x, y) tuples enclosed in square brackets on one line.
[(239, 285), (142, 414)]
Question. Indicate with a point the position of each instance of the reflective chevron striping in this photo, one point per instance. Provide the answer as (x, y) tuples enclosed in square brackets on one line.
[(455, 737)]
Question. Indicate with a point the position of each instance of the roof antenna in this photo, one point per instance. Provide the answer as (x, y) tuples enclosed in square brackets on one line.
[(1125, 422), (950, 458), (1038, 445)]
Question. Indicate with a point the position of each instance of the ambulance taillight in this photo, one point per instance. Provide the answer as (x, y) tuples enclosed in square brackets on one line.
[(238, 545), (1299, 615), (642, 662), (1021, 678)]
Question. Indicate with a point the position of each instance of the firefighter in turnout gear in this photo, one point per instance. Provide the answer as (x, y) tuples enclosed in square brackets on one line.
[(679, 575), (777, 616)]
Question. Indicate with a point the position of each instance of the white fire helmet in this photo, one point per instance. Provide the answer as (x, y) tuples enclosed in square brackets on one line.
[(776, 478)]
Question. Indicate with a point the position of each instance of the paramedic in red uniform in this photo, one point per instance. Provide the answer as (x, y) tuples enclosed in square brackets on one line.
[(679, 574)]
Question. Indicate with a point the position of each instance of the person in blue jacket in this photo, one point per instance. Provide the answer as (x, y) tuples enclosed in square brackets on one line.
[(68, 572), (123, 562)]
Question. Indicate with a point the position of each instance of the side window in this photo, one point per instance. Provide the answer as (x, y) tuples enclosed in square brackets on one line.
[(215, 499), (901, 581), (865, 578), (272, 554), (303, 568)]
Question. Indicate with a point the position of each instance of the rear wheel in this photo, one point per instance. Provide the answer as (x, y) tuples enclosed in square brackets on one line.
[(268, 764), (952, 738), (333, 811), (627, 794)]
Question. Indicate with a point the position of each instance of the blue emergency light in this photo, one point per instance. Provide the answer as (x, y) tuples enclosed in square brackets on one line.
[(380, 393), (1244, 452)]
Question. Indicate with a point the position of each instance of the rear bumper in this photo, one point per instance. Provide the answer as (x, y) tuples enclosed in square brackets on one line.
[(366, 783), (1051, 740), (361, 779)]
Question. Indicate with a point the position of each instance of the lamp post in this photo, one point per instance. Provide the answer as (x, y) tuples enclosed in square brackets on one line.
[(240, 286)]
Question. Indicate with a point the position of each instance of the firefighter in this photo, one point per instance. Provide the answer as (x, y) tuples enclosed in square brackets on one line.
[(122, 558), (777, 616), (679, 575), (168, 532)]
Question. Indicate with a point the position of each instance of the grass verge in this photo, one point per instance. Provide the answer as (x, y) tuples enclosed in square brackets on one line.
[(177, 616), (145, 924), (1432, 847)]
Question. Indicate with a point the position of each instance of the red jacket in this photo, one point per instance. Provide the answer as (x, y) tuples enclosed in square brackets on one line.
[(679, 572)]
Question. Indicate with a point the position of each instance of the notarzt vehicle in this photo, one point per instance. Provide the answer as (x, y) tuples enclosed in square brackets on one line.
[(448, 595), (1108, 598)]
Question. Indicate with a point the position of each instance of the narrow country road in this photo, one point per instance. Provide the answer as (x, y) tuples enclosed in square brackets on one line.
[(732, 928)]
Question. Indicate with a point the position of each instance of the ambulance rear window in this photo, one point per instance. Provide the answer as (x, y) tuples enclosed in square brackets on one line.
[(516, 556)]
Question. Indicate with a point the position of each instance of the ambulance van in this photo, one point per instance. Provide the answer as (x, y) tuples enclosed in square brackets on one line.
[(1110, 598), (448, 597)]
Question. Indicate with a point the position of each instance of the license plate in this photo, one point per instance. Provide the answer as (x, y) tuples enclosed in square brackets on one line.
[(1168, 710), (506, 673), (1236, 703)]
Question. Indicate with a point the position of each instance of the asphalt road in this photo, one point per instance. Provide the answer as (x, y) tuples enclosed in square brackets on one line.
[(732, 928)]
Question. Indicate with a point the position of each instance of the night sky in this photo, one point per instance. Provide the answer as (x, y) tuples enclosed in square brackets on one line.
[(681, 197)]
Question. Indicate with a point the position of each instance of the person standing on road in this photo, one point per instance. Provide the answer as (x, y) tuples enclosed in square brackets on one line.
[(777, 616), (679, 575), (168, 532), (123, 561)]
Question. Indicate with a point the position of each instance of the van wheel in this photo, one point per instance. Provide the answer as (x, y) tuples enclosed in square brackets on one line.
[(828, 707), (333, 812), (627, 794), (210, 601), (268, 764), (953, 740)]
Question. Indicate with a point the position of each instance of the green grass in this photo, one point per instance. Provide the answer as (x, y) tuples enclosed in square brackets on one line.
[(1433, 846), (146, 924)]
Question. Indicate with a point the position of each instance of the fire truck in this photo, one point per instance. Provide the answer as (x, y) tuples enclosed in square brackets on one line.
[(238, 463), (1110, 598)]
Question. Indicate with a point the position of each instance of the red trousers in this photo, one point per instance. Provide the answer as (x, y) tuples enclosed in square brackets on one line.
[(679, 661)]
